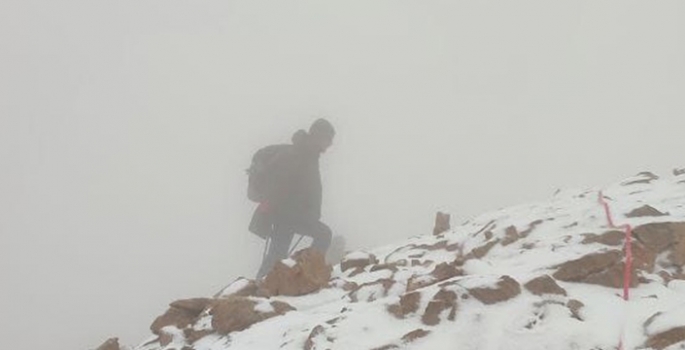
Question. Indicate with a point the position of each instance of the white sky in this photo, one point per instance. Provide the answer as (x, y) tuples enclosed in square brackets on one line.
[(126, 126)]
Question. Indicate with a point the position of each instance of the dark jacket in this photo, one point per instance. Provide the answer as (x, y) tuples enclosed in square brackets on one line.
[(294, 185)]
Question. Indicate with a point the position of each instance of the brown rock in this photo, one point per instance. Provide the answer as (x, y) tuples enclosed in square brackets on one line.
[(659, 236), (193, 335), (379, 267), (406, 339), (280, 308), (110, 344), (238, 313), (643, 211), (347, 264), (574, 306), (612, 238), (409, 303), (677, 255), (667, 338), (440, 273), (645, 178), (506, 289), (343, 284), (387, 347), (309, 344), (595, 268), (544, 285), (165, 339), (432, 247), (309, 274), (251, 289), (511, 235), (443, 300), (530, 228), (372, 290), (446, 271), (488, 235), (413, 335), (442, 223), (173, 317), (481, 251), (643, 258), (192, 306), (426, 263)]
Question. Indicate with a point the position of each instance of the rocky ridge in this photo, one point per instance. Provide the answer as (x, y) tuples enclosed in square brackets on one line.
[(536, 276)]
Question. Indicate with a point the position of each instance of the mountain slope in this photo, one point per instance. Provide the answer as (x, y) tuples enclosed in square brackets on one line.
[(547, 275)]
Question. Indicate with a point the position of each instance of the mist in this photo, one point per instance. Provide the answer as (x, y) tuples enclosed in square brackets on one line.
[(126, 128)]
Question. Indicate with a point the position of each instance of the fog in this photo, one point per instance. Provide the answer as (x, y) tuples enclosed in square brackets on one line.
[(126, 127)]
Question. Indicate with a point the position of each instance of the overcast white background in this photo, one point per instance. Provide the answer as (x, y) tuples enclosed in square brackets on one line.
[(126, 126)]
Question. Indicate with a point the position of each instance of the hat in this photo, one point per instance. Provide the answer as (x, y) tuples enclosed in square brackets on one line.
[(322, 127)]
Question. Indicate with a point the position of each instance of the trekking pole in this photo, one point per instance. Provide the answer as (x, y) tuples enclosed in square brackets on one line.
[(295, 246), (266, 247)]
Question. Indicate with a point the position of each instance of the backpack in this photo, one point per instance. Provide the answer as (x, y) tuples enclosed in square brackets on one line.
[(260, 171)]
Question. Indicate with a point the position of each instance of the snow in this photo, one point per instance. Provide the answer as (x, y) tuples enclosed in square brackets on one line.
[(234, 287), (289, 262), (263, 306), (524, 322), (357, 255)]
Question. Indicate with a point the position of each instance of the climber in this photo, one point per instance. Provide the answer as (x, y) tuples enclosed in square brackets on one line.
[(286, 182)]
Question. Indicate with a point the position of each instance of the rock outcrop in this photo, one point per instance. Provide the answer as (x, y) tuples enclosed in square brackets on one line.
[(306, 272)]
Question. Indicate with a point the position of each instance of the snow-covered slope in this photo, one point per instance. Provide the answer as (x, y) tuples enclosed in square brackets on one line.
[(546, 275)]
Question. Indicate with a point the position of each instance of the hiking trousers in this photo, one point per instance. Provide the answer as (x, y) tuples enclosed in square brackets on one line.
[(279, 245)]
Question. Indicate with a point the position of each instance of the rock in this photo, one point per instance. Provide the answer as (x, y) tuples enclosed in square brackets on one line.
[(371, 291), (678, 172), (441, 272), (574, 306), (644, 177), (445, 271), (506, 288), (343, 284), (193, 335), (677, 256), (611, 238), (604, 269), (180, 314), (406, 339), (165, 338), (666, 339), (644, 211), (110, 344), (192, 306), (659, 236), (443, 300), (237, 313), (413, 335), (511, 235), (243, 287), (379, 267), (643, 259), (309, 274), (409, 303), (544, 285), (481, 251), (309, 344), (387, 347), (356, 260), (530, 228), (442, 223)]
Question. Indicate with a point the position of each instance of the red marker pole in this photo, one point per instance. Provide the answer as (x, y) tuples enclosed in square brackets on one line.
[(628, 251)]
